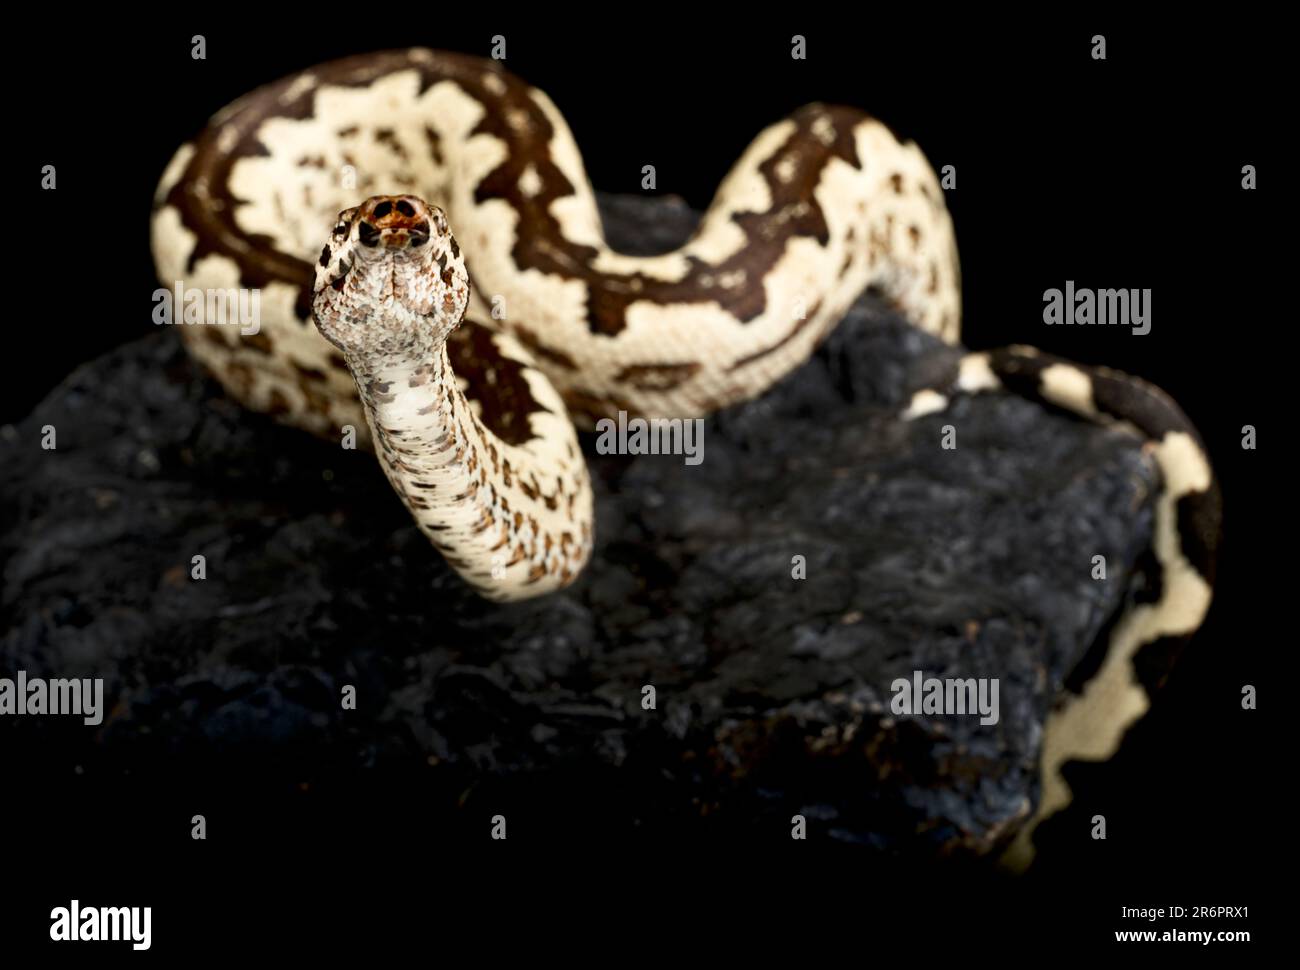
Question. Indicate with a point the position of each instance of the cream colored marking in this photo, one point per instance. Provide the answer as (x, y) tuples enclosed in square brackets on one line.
[(823, 129), (1069, 387), (300, 86), (172, 245), (227, 139), (923, 403), (172, 173), (530, 183), (975, 374)]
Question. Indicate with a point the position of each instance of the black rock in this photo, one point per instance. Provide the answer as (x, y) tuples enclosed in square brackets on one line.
[(772, 692)]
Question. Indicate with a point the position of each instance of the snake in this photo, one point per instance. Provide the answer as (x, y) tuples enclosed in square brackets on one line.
[(469, 361)]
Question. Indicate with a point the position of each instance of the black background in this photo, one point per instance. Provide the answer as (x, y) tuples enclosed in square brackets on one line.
[(1120, 173)]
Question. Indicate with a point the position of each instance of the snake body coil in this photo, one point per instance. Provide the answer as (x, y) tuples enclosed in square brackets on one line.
[(470, 358)]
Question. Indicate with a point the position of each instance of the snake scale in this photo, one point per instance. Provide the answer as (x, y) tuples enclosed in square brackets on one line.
[(466, 360)]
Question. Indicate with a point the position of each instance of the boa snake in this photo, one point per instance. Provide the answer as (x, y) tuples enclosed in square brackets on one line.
[(470, 366)]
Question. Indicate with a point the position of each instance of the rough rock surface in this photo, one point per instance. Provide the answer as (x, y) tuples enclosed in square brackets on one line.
[(772, 692)]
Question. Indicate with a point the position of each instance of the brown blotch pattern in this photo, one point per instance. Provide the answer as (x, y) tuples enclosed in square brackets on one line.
[(507, 401)]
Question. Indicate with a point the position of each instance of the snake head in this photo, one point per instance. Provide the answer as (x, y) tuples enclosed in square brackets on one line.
[(390, 279), (396, 225)]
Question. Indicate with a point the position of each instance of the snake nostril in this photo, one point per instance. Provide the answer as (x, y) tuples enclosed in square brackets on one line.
[(405, 208), (383, 208)]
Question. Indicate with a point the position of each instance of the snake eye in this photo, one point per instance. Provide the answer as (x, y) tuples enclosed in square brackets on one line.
[(368, 233), (341, 229)]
